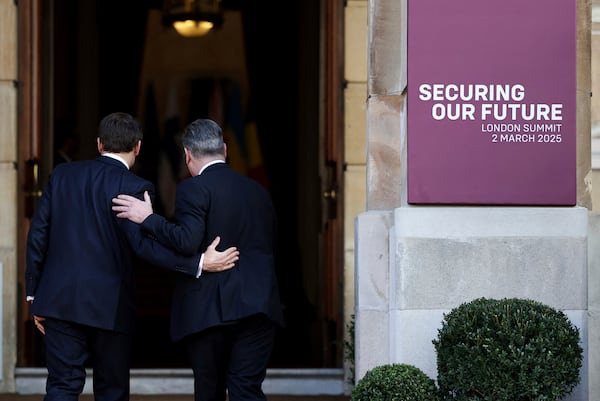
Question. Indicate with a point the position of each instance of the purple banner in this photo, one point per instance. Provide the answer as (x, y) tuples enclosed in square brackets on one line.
[(491, 102)]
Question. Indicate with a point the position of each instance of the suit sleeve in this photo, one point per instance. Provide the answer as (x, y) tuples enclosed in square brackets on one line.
[(156, 253), (186, 233), (37, 242), (153, 251)]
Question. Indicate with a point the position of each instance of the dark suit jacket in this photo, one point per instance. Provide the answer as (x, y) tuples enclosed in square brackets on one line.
[(80, 256), (221, 202)]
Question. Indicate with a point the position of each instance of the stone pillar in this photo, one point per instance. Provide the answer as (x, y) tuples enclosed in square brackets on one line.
[(593, 355), (414, 263), (8, 192)]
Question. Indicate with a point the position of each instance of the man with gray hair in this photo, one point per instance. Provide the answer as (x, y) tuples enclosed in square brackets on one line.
[(227, 320)]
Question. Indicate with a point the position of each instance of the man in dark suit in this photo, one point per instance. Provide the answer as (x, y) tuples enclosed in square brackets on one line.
[(227, 320), (80, 270)]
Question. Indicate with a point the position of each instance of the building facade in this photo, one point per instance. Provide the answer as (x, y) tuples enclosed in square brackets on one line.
[(383, 238)]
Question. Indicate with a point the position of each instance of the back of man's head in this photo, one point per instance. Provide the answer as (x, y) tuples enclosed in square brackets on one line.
[(119, 132), (203, 138)]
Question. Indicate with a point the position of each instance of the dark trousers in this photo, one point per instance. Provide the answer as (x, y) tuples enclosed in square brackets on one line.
[(232, 359), (70, 347)]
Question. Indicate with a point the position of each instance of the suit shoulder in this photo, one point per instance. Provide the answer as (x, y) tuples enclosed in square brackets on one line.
[(69, 169), (132, 179)]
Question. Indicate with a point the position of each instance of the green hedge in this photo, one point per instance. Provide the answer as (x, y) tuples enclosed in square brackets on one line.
[(395, 382), (507, 350)]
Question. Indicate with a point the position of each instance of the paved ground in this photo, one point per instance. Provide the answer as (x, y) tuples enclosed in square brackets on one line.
[(163, 397)]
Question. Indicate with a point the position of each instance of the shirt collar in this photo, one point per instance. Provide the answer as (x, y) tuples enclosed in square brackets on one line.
[(210, 164), (116, 157)]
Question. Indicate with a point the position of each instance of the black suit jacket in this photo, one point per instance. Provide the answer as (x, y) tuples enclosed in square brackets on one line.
[(222, 202), (80, 256)]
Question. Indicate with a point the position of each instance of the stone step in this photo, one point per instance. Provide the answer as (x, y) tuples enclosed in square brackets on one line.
[(301, 383)]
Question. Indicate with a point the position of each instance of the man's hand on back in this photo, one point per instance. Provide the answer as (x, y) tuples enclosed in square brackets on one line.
[(130, 207), (216, 261)]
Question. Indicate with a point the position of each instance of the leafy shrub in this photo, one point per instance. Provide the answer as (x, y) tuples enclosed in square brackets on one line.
[(507, 350), (395, 382), (349, 353)]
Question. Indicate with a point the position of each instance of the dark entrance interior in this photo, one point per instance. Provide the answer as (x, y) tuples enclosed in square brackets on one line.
[(93, 55)]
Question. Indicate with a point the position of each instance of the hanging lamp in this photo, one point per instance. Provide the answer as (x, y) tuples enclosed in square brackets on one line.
[(192, 18)]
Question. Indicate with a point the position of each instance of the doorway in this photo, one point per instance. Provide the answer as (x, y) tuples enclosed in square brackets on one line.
[(92, 56)]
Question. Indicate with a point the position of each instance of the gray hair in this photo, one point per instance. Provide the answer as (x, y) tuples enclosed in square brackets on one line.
[(203, 137)]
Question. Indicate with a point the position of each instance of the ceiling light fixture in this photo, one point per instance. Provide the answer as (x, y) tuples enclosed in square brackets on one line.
[(192, 18)]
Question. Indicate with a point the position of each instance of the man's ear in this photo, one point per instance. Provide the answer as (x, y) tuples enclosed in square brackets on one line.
[(100, 146), (136, 150), (225, 150), (188, 155)]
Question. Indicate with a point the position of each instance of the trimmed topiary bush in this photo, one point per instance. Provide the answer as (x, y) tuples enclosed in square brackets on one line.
[(507, 350), (395, 382)]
